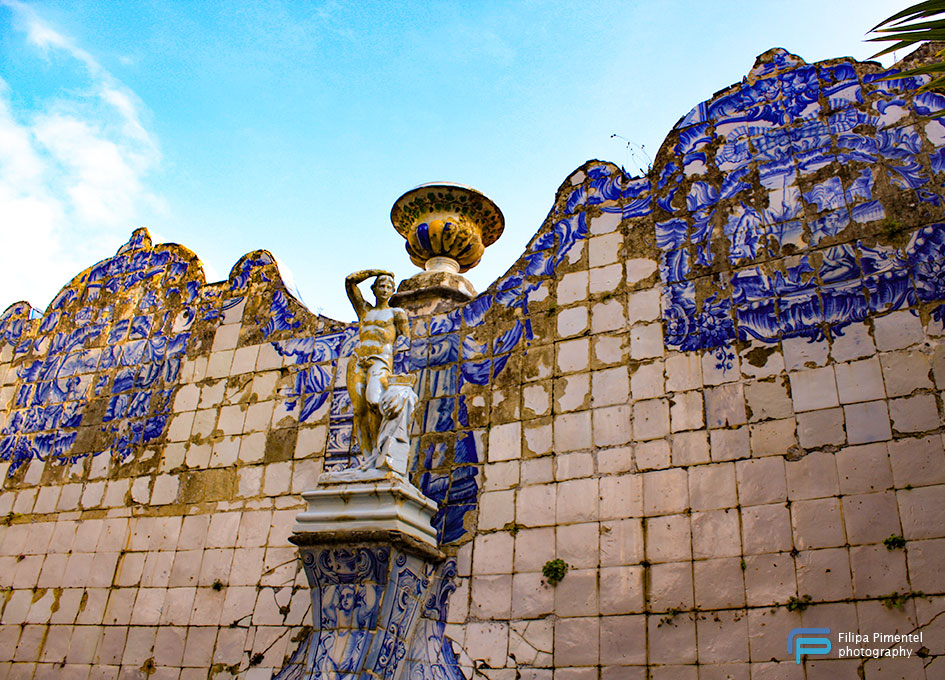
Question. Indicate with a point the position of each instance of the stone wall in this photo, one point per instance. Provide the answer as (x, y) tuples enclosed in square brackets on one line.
[(714, 392)]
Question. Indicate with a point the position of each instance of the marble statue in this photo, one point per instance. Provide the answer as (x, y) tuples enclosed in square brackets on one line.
[(383, 402)]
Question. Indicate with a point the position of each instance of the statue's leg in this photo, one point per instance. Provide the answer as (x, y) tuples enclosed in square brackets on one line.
[(377, 376), (375, 384), (364, 425), (355, 380), (372, 420)]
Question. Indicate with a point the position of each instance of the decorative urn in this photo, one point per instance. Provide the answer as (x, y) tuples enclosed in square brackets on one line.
[(447, 226)]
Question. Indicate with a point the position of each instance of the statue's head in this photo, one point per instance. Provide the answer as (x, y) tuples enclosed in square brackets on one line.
[(383, 287)]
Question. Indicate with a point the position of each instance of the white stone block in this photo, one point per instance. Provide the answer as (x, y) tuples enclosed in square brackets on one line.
[(652, 455), (605, 279), (603, 224), (496, 509), (572, 431), (769, 578), (716, 533), (814, 389), (855, 342), (577, 641), (505, 442), (671, 586), (725, 405), (573, 465), (603, 250), (817, 523), (578, 544), (572, 288), (862, 469), (621, 496), (651, 419), (572, 321), (766, 529), (813, 476), (860, 381), (686, 411), (877, 572), (609, 349), (226, 337), (612, 426), (646, 381), (576, 501), (535, 505), (665, 492), (643, 306), (533, 548), (820, 428), (639, 269), (646, 341), (572, 355), (244, 360), (768, 399), (921, 511), (905, 372), (867, 422), (610, 386), (712, 487), (165, 489), (607, 316), (220, 364), (870, 517), (729, 444), (718, 583), (802, 353), (621, 590), (897, 330), (917, 462), (668, 539), (572, 392), (914, 414)]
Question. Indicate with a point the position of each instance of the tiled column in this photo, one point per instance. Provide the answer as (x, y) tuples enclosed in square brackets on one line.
[(370, 554)]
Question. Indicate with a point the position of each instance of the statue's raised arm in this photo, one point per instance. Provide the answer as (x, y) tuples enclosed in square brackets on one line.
[(354, 293)]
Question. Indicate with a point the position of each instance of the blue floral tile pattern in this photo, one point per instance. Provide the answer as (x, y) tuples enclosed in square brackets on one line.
[(123, 362), (774, 124)]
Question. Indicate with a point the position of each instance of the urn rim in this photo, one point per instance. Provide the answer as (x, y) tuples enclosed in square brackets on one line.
[(488, 209)]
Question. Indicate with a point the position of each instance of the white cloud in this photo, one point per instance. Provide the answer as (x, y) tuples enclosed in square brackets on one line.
[(73, 169)]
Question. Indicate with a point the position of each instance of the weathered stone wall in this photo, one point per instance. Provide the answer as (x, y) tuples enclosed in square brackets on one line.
[(714, 392)]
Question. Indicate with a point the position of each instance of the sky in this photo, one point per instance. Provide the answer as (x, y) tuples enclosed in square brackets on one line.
[(294, 126)]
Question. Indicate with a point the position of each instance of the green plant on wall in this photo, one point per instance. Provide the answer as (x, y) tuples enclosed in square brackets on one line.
[(799, 604), (895, 600), (914, 25), (894, 542), (554, 570)]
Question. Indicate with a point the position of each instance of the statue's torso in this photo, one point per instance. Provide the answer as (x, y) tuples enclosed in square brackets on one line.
[(378, 332)]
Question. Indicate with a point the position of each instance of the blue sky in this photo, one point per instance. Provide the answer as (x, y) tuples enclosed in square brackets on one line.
[(293, 126)]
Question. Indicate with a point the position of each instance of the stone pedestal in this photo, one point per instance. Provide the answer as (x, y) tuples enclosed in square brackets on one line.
[(369, 554), (351, 504), (432, 292)]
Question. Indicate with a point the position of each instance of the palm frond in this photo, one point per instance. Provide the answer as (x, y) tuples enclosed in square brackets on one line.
[(921, 10), (895, 48), (917, 24)]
